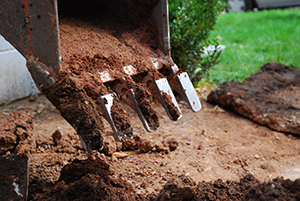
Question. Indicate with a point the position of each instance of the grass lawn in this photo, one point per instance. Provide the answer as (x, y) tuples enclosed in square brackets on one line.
[(253, 39)]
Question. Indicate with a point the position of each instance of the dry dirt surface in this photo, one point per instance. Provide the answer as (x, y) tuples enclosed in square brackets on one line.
[(209, 155)]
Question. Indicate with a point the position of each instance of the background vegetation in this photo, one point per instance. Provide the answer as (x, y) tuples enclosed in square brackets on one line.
[(253, 39), (190, 24)]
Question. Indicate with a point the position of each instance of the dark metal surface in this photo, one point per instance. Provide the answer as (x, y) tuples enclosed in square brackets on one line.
[(13, 177), (160, 17), (32, 28), (41, 74)]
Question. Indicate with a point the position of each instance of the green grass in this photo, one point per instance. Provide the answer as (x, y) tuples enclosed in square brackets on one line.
[(253, 39)]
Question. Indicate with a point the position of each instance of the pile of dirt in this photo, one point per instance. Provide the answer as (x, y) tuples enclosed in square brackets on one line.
[(248, 188), (91, 179), (266, 97), (84, 180)]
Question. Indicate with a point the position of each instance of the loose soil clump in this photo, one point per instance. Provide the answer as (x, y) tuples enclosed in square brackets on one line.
[(266, 97), (16, 133), (85, 180)]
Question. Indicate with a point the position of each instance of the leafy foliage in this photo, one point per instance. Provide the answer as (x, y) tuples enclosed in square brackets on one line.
[(190, 24)]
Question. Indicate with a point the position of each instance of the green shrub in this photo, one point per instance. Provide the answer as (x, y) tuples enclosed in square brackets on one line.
[(190, 24)]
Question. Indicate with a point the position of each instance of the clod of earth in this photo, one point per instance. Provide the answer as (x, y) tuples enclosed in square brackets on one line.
[(16, 133), (269, 97)]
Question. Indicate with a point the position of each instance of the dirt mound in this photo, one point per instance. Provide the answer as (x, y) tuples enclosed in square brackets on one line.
[(267, 97), (85, 180), (248, 188), (92, 179)]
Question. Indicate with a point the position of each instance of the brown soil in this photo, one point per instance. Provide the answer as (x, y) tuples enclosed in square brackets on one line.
[(183, 160), (144, 99), (78, 109), (190, 155), (265, 97)]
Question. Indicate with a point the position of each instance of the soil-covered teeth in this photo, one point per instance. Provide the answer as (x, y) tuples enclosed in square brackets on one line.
[(167, 99), (139, 99), (161, 90), (113, 112), (181, 82)]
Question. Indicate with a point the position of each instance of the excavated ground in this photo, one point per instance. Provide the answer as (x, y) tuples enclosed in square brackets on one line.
[(209, 155)]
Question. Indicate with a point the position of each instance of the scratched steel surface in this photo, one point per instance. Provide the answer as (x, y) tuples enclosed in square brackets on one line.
[(32, 28)]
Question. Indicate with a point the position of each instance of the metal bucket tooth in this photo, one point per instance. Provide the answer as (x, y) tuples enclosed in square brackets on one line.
[(161, 89), (167, 99), (138, 99), (181, 82), (121, 128)]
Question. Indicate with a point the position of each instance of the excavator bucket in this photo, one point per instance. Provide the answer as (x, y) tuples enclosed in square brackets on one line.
[(87, 56)]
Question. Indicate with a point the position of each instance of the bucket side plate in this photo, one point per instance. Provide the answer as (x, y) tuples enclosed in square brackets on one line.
[(32, 28)]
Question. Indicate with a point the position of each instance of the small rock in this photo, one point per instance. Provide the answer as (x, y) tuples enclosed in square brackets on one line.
[(109, 145), (131, 144), (56, 136), (264, 167), (114, 158), (159, 147), (201, 146), (120, 154), (256, 156), (102, 157)]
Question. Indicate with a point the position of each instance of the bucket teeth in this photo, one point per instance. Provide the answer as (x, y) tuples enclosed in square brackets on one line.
[(181, 82), (167, 99), (161, 89), (149, 123), (121, 128), (187, 91), (140, 100)]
